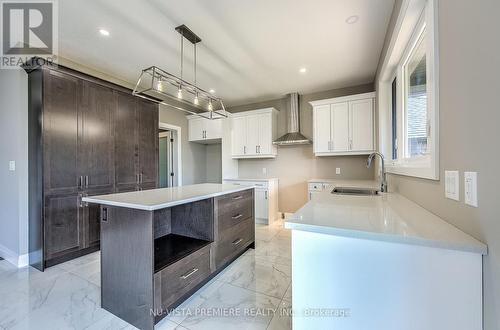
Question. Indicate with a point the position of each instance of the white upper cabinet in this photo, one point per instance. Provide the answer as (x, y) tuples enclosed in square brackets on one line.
[(340, 129), (239, 141), (204, 130), (322, 126), (253, 133), (344, 125), (361, 125)]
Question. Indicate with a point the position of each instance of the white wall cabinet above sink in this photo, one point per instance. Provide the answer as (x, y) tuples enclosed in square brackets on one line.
[(203, 130), (253, 133), (344, 125)]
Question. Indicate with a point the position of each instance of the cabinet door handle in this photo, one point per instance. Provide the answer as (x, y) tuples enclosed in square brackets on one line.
[(86, 181), (238, 241), (265, 194), (80, 202), (80, 182), (140, 177), (256, 149), (237, 216), (188, 274), (104, 214), (245, 150), (237, 197)]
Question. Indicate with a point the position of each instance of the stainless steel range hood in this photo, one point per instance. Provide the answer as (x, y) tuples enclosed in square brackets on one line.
[(293, 135)]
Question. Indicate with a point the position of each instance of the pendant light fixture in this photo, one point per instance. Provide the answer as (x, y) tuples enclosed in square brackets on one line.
[(168, 89)]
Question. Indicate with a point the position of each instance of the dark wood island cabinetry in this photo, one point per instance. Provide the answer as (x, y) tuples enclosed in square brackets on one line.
[(159, 246)]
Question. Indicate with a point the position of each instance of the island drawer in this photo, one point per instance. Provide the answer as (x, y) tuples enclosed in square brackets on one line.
[(233, 241), (173, 282), (231, 202), (234, 216)]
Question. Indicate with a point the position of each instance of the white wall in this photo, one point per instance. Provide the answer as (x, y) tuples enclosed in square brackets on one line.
[(14, 146)]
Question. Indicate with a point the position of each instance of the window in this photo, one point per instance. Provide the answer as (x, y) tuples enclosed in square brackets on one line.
[(407, 94), (415, 101), (394, 116)]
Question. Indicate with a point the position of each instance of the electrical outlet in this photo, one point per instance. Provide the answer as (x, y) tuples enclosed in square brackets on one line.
[(470, 188), (12, 165), (264, 170), (337, 170), (452, 185)]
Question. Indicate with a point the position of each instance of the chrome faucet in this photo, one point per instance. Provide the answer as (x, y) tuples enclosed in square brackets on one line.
[(383, 179)]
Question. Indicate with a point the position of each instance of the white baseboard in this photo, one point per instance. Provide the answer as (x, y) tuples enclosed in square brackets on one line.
[(17, 260)]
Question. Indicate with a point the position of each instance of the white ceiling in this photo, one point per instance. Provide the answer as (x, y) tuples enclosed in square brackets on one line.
[(251, 50)]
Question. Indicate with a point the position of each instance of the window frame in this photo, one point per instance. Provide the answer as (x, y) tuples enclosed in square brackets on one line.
[(424, 21)]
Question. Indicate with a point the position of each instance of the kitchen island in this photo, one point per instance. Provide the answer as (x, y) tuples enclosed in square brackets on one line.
[(160, 246), (382, 262)]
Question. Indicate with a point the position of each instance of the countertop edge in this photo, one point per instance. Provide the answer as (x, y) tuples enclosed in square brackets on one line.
[(162, 205), (386, 238)]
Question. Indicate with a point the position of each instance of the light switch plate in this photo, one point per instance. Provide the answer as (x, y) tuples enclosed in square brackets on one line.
[(452, 185), (470, 190), (337, 170), (12, 165)]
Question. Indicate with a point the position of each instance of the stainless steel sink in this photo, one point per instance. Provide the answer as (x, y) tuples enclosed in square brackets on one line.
[(355, 191)]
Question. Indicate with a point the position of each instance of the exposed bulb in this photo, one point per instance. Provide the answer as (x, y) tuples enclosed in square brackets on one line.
[(196, 101), (210, 106), (179, 93)]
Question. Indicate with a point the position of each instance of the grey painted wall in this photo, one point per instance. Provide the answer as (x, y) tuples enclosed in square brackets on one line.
[(213, 172), (294, 165), (193, 154), (14, 137), (469, 135)]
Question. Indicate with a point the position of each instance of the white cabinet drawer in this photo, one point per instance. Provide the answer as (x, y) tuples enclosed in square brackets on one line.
[(256, 184)]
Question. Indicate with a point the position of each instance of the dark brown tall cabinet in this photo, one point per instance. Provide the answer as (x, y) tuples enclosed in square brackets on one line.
[(86, 137)]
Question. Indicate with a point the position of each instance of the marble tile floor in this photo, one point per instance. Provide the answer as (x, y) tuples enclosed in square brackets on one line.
[(254, 292)]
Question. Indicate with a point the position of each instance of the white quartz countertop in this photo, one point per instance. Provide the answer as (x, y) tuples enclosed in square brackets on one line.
[(247, 179), (386, 217), (155, 199), (348, 183)]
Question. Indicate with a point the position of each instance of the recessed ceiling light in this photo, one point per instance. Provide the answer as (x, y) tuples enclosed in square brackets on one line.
[(303, 70), (212, 91), (104, 32), (352, 19)]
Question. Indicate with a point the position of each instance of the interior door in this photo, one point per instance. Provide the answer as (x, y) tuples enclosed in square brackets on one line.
[(63, 225), (125, 142), (322, 126), (261, 204), (61, 133), (239, 136), (361, 125), (196, 129), (148, 143), (265, 134), (253, 130), (340, 127), (97, 136)]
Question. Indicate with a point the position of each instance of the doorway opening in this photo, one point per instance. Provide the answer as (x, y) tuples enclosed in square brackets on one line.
[(169, 168)]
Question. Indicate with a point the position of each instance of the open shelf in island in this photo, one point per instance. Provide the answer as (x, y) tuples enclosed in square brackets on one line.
[(172, 247)]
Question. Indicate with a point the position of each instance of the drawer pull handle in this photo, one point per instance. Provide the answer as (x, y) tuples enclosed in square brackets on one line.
[(237, 216), (238, 241), (237, 197), (188, 274)]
